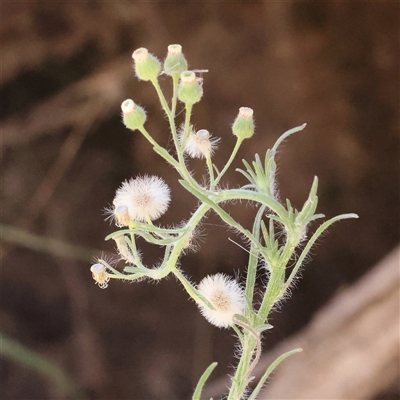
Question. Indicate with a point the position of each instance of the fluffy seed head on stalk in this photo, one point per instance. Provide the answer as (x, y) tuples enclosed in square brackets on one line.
[(225, 295), (147, 66), (100, 275), (146, 198), (200, 144)]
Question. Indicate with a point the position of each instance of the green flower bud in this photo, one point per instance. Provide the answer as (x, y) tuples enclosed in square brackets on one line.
[(134, 116), (190, 88), (147, 66), (243, 127), (175, 63)]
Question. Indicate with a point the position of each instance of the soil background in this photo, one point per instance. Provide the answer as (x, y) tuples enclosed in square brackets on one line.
[(66, 68)]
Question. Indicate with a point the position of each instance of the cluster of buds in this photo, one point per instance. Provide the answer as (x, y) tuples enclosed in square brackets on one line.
[(144, 199)]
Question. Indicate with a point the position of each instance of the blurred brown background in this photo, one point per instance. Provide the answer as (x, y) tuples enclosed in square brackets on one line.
[(66, 68)]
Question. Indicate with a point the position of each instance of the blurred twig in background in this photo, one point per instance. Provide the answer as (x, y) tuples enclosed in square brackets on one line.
[(49, 245), (14, 351)]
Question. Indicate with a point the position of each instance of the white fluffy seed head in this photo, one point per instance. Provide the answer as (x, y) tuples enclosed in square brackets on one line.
[(200, 144), (146, 198), (225, 295)]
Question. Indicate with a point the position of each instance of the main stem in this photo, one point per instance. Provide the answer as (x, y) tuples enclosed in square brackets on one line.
[(239, 380)]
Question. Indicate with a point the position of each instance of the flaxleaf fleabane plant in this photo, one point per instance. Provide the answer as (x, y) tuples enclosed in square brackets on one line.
[(140, 201)]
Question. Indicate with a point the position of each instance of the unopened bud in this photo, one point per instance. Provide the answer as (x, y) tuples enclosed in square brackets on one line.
[(190, 88), (147, 66), (175, 63), (134, 116), (243, 127)]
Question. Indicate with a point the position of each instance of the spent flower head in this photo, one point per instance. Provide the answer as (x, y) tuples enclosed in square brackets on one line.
[(146, 198), (121, 215), (100, 275), (200, 144), (225, 295)]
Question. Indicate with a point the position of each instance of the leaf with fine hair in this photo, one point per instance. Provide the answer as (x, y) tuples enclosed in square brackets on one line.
[(202, 381), (270, 369)]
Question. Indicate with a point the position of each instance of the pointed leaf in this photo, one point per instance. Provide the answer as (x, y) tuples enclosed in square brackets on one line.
[(202, 381), (268, 372)]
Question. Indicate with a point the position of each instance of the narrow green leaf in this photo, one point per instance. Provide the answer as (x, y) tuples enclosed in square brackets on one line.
[(314, 187), (246, 175), (284, 136), (202, 381), (263, 327), (316, 216), (268, 372), (312, 240), (242, 319)]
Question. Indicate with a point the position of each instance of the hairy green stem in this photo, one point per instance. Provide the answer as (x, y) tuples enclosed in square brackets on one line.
[(175, 82), (180, 244), (257, 356), (241, 194), (186, 128), (210, 172), (167, 157), (239, 383), (272, 293), (229, 162), (253, 258)]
